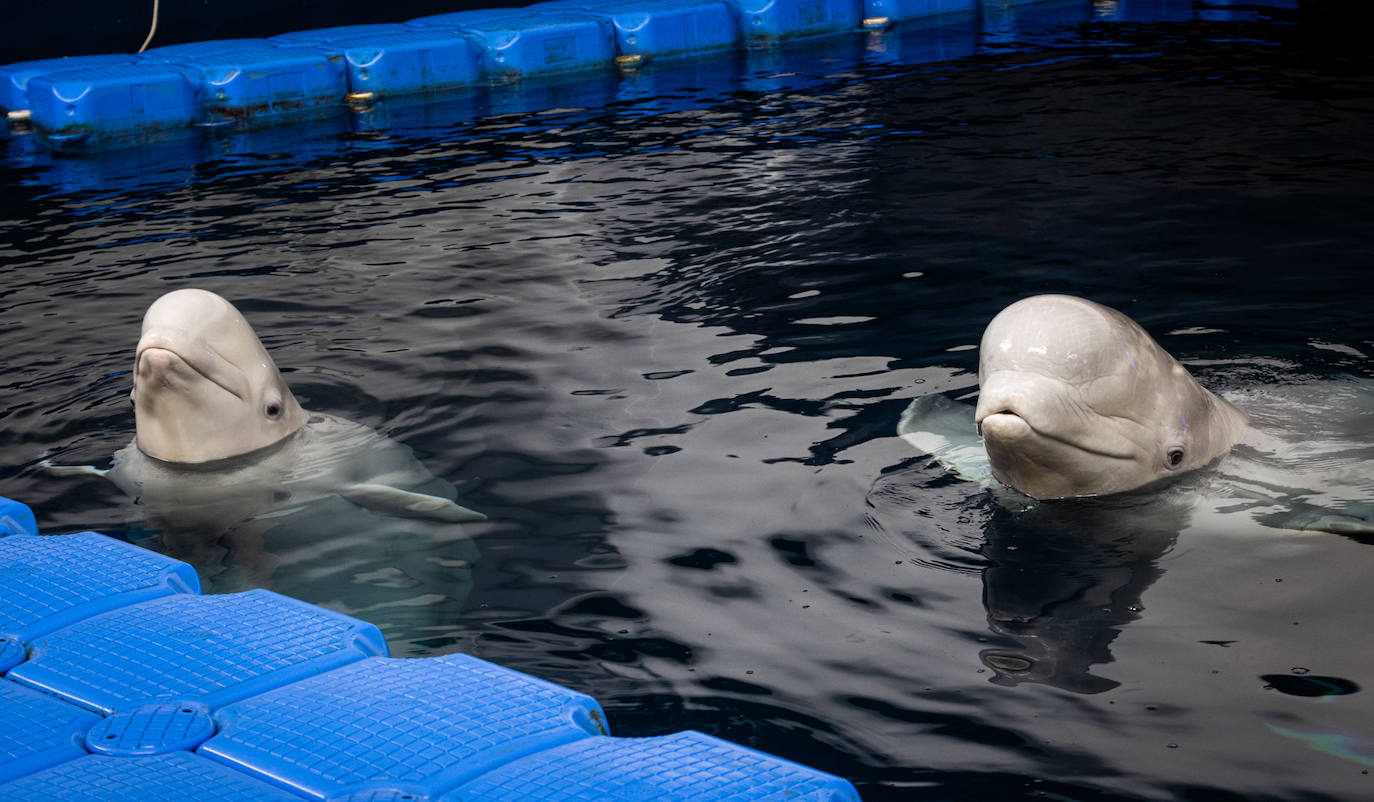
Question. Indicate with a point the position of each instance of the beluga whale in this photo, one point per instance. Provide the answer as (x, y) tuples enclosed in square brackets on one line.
[(223, 448), (1075, 400)]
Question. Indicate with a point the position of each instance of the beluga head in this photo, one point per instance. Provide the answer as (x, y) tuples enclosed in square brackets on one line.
[(1075, 399), (204, 387)]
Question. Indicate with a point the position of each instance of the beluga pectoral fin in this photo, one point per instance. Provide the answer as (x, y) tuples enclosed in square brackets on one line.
[(387, 500), (945, 429), (1334, 523), (53, 469)]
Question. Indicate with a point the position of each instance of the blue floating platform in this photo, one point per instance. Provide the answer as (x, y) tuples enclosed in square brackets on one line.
[(37, 731), (154, 778), (210, 650), (519, 43), (124, 684), (663, 28), (255, 81), (152, 730), (420, 726), (114, 99), (788, 19), (173, 53), (14, 78), (47, 583), (410, 61), (325, 36), (16, 519), (685, 766)]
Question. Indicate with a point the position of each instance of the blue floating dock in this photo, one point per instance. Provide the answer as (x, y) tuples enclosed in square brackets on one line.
[(14, 78), (663, 28), (123, 682), (255, 81), (516, 43), (111, 100), (409, 61), (788, 19)]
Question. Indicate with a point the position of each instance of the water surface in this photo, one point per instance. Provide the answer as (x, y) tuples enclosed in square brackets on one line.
[(661, 330)]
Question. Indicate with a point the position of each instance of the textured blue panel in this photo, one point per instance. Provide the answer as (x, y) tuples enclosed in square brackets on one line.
[(897, 10), (37, 730), (152, 730), (414, 60), (207, 649), (16, 518), (12, 653), (513, 43), (687, 766), (49, 582), (260, 80), (322, 36), (417, 725), (113, 99), (14, 78), (781, 19), (664, 27), (158, 778), (187, 50)]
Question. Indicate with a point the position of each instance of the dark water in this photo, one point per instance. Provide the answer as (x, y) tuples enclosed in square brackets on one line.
[(661, 331)]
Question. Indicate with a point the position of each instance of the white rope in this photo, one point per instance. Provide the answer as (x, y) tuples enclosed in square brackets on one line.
[(151, 30)]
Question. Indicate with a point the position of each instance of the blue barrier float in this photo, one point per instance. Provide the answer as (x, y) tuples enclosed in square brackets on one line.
[(525, 42), (111, 99), (663, 28), (408, 62), (151, 778), (174, 53), (252, 81), (38, 730), (16, 518), (326, 36), (768, 20), (125, 683)]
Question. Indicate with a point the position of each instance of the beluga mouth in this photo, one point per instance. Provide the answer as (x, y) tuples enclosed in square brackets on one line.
[(161, 355)]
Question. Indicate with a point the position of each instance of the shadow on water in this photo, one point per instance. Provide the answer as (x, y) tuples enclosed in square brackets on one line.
[(1066, 578)]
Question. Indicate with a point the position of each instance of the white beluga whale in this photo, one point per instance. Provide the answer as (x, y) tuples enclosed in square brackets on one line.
[(223, 450), (1076, 400)]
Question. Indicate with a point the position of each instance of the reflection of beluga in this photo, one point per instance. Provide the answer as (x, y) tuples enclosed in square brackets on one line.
[(1076, 399), (221, 439)]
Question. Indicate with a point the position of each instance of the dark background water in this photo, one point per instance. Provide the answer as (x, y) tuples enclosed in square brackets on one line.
[(661, 331)]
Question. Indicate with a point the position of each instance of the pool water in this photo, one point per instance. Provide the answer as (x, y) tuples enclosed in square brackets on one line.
[(662, 337)]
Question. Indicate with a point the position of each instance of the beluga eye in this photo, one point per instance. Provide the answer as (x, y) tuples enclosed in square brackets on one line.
[(1173, 457), (273, 409)]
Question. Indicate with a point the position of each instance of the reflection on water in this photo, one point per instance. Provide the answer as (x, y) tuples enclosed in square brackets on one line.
[(663, 342), (1066, 577)]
